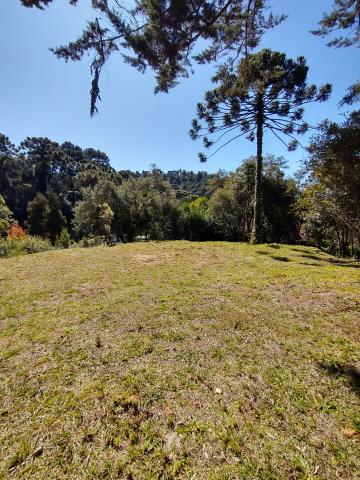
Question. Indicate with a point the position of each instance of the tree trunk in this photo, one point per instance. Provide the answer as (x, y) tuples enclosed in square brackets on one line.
[(256, 236)]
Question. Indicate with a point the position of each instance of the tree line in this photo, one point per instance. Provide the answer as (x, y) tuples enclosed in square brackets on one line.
[(59, 191), (254, 93)]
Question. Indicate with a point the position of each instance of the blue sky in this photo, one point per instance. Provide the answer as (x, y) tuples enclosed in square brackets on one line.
[(43, 96)]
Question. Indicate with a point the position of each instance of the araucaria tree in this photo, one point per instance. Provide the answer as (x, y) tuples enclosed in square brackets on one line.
[(267, 92), (345, 18), (167, 36)]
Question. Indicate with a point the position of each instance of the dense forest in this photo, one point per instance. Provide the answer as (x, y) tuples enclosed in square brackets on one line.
[(66, 194)]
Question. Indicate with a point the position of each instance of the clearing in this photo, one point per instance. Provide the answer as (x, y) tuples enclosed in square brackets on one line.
[(181, 360)]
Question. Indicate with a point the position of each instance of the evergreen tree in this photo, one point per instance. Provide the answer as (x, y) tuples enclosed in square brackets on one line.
[(331, 202), (166, 35), (45, 158), (268, 91), (196, 222), (231, 207), (56, 220), (6, 217), (64, 240), (105, 217), (38, 211), (344, 17)]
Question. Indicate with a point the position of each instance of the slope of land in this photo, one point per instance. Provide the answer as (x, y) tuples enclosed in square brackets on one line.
[(180, 360)]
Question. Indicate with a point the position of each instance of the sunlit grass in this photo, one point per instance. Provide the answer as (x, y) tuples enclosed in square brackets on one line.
[(180, 360)]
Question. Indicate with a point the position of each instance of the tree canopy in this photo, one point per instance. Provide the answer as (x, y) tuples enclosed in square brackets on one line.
[(167, 36), (267, 92), (344, 18)]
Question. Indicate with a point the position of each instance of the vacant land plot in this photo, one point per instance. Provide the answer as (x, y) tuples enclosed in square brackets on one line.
[(180, 360)]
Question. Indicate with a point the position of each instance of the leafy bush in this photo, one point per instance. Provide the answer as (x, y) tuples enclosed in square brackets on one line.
[(5, 248), (16, 232), (94, 241), (64, 240), (34, 244), (23, 245)]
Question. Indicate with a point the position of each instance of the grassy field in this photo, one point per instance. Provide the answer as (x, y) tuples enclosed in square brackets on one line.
[(180, 360)]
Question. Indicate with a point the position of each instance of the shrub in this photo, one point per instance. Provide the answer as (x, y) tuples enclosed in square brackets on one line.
[(33, 244), (92, 241), (64, 240), (5, 248), (23, 245), (16, 232)]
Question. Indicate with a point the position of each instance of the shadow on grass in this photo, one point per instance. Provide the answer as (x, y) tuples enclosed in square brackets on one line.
[(273, 245), (262, 252), (321, 258), (301, 250), (343, 263), (349, 372), (312, 257), (312, 264), (280, 259), (331, 261)]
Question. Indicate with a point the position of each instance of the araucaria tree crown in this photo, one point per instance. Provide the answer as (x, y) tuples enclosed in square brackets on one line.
[(267, 88), (163, 35), (268, 91)]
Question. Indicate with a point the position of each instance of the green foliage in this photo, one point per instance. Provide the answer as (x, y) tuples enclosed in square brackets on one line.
[(268, 87), (190, 185), (45, 217), (345, 16), (331, 202), (105, 217), (148, 208), (40, 165), (64, 239), (196, 222), (91, 241), (41, 3), (231, 207), (38, 211), (15, 179), (196, 206), (45, 157), (268, 92), (167, 36), (55, 218), (93, 215), (24, 245), (6, 217), (5, 247)]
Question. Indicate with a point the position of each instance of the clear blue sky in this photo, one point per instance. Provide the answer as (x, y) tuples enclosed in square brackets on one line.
[(43, 96)]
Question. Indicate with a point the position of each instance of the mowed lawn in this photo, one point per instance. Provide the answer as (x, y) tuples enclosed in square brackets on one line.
[(180, 360)]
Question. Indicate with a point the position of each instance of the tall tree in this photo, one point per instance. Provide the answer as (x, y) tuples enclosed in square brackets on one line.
[(16, 178), (267, 92), (166, 35), (38, 211), (334, 182), (105, 217), (345, 18), (56, 220), (45, 156), (6, 217), (231, 208)]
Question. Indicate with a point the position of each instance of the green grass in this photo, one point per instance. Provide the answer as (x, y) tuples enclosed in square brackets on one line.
[(180, 360)]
